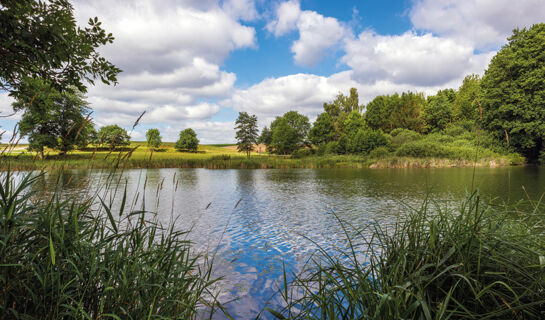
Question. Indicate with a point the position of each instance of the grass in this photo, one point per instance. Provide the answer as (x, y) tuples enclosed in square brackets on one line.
[(476, 262), (62, 259), (137, 155)]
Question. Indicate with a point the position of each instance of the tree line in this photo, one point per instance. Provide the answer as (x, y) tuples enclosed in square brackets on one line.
[(506, 104)]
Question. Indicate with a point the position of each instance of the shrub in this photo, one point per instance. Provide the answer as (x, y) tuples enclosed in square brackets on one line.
[(366, 140), (379, 153), (333, 147), (419, 149), (301, 153), (401, 136)]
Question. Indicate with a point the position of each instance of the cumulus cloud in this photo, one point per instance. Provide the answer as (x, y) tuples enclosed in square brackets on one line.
[(170, 53), (420, 60), (317, 33), (483, 23)]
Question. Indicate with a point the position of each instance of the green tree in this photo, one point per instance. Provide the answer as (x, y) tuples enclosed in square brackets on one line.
[(437, 111), (513, 92), (285, 138), (187, 141), (407, 113), (114, 136), (339, 108), (466, 103), (87, 134), (247, 132), (51, 118), (378, 113), (40, 39), (153, 138), (300, 125), (322, 130), (266, 138)]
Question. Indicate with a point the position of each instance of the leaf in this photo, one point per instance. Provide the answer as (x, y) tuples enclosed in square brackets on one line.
[(51, 250)]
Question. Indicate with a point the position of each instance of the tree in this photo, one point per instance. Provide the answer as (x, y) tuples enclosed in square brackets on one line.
[(322, 130), (300, 125), (51, 118), (40, 39), (466, 104), (153, 138), (113, 136), (266, 138), (513, 92), (378, 113), (87, 135), (188, 141), (339, 108), (247, 135), (285, 138), (437, 111)]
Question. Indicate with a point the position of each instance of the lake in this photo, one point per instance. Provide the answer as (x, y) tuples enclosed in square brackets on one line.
[(256, 220)]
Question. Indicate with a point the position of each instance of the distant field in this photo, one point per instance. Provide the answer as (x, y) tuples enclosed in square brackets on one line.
[(223, 156)]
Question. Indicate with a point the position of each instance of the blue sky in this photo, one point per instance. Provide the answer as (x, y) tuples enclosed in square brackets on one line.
[(197, 63)]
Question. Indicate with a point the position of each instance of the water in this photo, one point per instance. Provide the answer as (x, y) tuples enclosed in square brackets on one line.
[(256, 220)]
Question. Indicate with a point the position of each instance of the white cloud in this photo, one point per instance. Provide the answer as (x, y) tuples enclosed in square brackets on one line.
[(207, 131), (483, 23), (317, 33), (241, 9), (420, 60)]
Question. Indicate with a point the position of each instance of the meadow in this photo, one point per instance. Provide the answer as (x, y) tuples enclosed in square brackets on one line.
[(225, 156)]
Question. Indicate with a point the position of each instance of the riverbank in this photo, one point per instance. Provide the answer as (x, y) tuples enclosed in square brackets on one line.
[(226, 157)]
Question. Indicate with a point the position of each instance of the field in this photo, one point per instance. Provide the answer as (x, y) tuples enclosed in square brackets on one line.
[(225, 156)]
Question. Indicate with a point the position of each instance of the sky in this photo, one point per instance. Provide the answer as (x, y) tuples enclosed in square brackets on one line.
[(197, 63)]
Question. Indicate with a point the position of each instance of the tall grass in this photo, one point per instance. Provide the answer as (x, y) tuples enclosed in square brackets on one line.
[(61, 259), (476, 262)]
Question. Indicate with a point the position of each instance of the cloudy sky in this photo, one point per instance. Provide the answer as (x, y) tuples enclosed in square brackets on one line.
[(197, 63)]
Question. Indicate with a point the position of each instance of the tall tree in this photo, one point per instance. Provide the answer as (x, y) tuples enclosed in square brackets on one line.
[(339, 109), (513, 92), (40, 39), (322, 130), (466, 103), (247, 132), (437, 111), (51, 118), (285, 138), (153, 138), (187, 141), (113, 136), (300, 125)]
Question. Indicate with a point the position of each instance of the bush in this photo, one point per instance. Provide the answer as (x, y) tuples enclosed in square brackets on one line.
[(321, 149), (379, 153), (366, 140), (333, 147), (420, 149), (301, 153), (401, 136)]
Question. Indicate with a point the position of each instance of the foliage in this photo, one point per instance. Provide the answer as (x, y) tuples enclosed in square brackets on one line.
[(339, 108), (285, 138), (61, 259), (402, 136), (40, 39), (51, 118), (114, 136), (247, 132), (395, 111), (153, 138), (187, 141), (473, 262), (378, 113), (513, 92), (288, 133), (322, 130), (437, 111), (466, 103), (266, 138)]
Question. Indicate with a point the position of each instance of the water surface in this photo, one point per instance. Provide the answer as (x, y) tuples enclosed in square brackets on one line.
[(256, 220)]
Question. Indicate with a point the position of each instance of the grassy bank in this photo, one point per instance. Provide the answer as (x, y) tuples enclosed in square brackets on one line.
[(475, 262), (226, 157)]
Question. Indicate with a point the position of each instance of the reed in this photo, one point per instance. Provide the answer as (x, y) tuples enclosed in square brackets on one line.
[(61, 258), (474, 262)]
